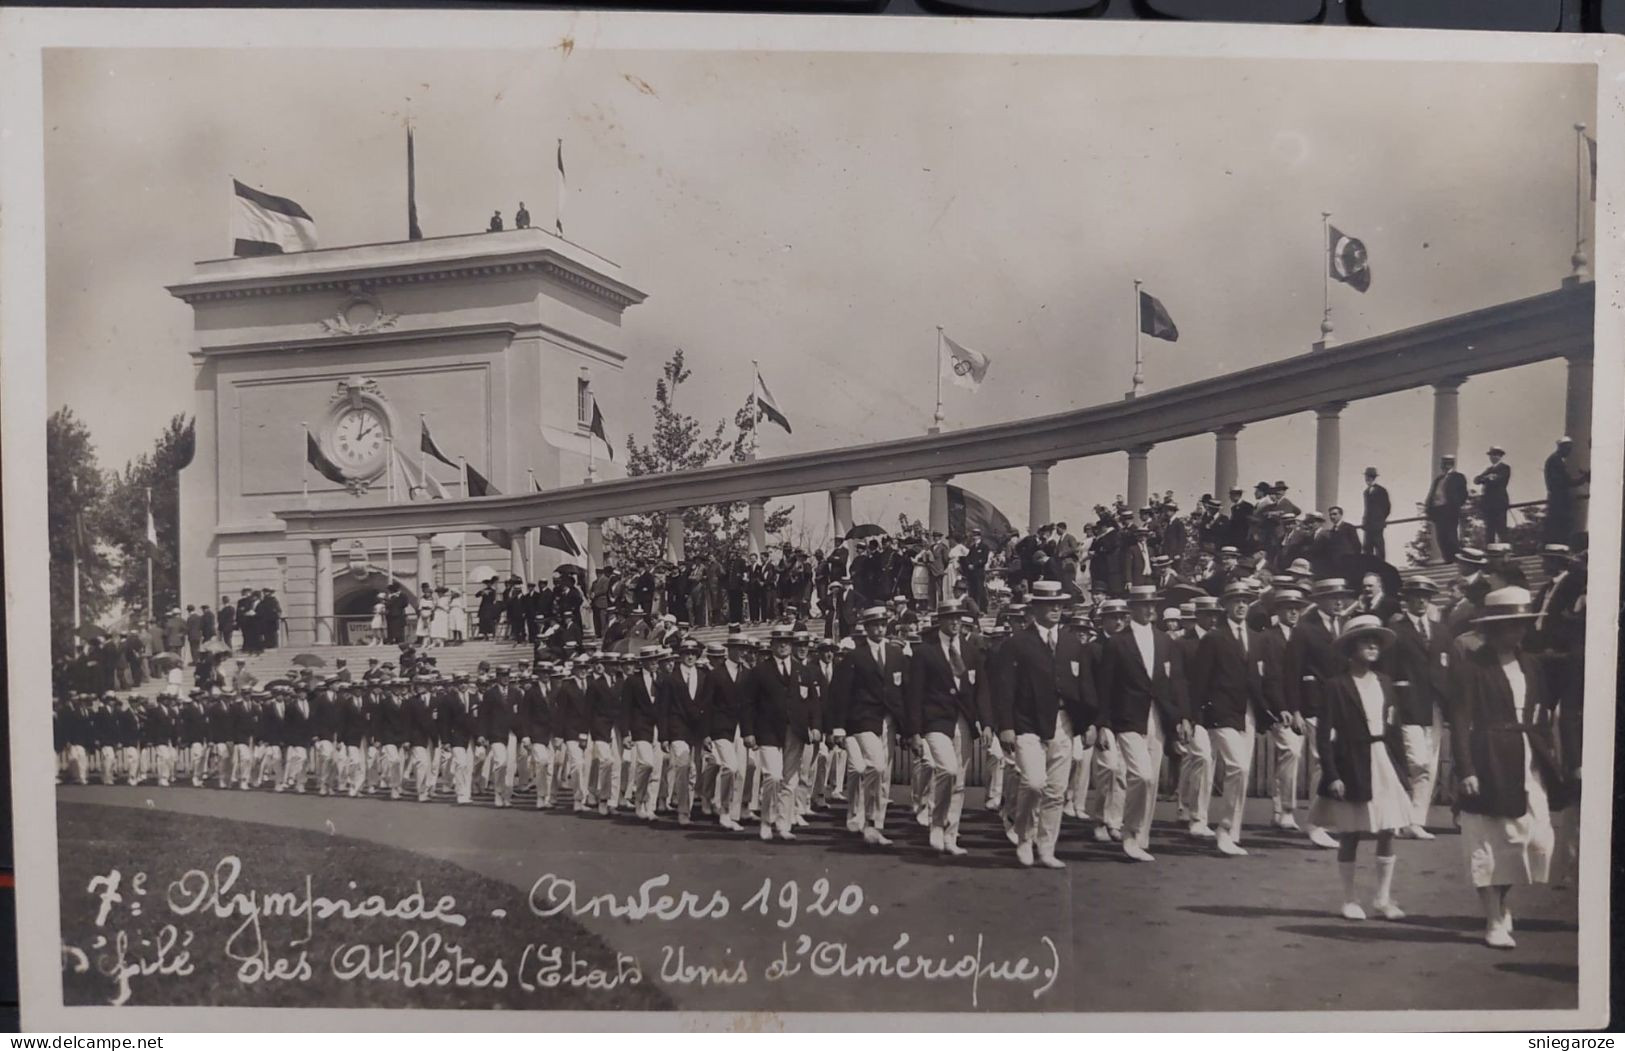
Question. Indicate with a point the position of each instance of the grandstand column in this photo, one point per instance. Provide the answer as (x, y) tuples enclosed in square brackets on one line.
[(840, 509), (938, 516), (1328, 452), (674, 536), (1446, 420), (1138, 481), (1577, 425), (425, 561), (1038, 496), (595, 547), (758, 525), (1224, 463), (324, 592)]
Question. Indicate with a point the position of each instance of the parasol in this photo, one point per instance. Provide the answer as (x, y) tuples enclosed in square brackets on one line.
[(309, 660)]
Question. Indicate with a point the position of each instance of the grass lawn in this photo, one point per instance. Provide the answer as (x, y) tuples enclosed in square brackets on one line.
[(189, 940)]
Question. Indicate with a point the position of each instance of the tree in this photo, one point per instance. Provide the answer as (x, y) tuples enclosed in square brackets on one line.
[(74, 490), (680, 442), (124, 520), (1523, 531)]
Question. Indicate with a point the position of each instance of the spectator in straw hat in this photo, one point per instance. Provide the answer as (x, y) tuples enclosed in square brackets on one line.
[(1361, 791), (1314, 659)]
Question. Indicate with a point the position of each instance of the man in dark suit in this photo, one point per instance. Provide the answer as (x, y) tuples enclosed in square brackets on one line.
[(724, 781), (459, 726), (1374, 518), (644, 697), (1493, 501), (396, 604), (1227, 689), (226, 620), (1562, 485), (1237, 529), (1417, 662), (268, 610), (194, 634), (534, 726), (778, 721), (298, 737), (867, 692), (248, 623), (1144, 706), (973, 563), (1342, 542), (1443, 505), (421, 731), (943, 719), (687, 723), (1312, 660), (1047, 700), (495, 722)]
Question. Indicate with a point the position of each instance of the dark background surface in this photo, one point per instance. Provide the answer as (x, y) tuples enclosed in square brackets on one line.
[(1567, 16)]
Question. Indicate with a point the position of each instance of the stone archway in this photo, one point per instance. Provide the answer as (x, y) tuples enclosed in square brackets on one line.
[(353, 599)]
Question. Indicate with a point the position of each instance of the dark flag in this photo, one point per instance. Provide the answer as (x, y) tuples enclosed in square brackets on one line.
[(558, 538), (265, 224), (1347, 260), (1591, 151), (597, 428), (767, 406), (413, 231), (318, 459), (1154, 319), (478, 485), (967, 511), (428, 447)]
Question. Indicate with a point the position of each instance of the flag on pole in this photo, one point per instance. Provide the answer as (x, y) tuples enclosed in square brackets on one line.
[(1347, 259), (426, 444), (413, 231), (318, 459), (478, 484), (78, 522), (1591, 152), (558, 212), (968, 367), (767, 406), (556, 537), (597, 428), (1155, 320), (406, 479), (967, 511), (152, 526), (262, 224)]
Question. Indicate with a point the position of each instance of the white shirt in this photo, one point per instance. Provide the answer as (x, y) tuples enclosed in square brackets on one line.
[(879, 651), (948, 647), (1145, 639), (689, 679)]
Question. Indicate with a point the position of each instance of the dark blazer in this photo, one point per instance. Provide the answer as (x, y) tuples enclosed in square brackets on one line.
[(1271, 652), (194, 725), (534, 715), (1036, 684), (1345, 737), (458, 720), (935, 701), (496, 717), (686, 717), (1312, 660), (774, 705), (389, 719), (1419, 668), (608, 709), (218, 713), (1486, 736), (1494, 480), (418, 718), (572, 709), (1131, 693), (1377, 507), (129, 728), (354, 723), (865, 692), (1452, 489), (819, 690), (1224, 682), (297, 722), (325, 722), (645, 712), (723, 701)]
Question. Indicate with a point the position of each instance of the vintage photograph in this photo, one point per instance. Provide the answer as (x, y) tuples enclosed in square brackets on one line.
[(555, 526)]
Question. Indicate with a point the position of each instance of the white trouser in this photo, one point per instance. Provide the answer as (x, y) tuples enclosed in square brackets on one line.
[(132, 764), (422, 771), (496, 770), (578, 759), (999, 769), (78, 764), (868, 763), (195, 751), (1421, 764), (1196, 776), (354, 769), (462, 771), (645, 782), (326, 764), (1311, 750), (392, 758), (837, 773), (222, 757), (1042, 768), (949, 755), (164, 755), (541, 772), (781, 772), (293, 767), (1284, 778), (729, 757), (682, 778), (1142, 764), (1077, 779), (1234, 751), (919, 785), (1111, 788)]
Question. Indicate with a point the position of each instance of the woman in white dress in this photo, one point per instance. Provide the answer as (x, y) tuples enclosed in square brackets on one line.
[(459, 616), (440, 619), (375, 627), (1505, 750), (1361, 790)]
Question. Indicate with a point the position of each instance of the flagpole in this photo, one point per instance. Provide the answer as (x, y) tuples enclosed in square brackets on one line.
[(530, 534), (755, 409), (1139, 356), (936, 421), (389, 540), (304, 460), (592, 439), (1325, 279), (154, 523), (1578, 260), (78, 536)]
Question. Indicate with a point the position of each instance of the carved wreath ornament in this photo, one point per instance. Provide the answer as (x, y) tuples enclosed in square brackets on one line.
[(361, 314)]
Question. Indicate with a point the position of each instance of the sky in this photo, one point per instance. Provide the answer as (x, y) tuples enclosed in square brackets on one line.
[(824, 213)]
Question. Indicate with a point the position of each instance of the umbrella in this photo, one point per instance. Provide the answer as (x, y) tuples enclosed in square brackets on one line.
[(865, 530), (91, 631), (165, 661), (309, 660), (1353, 569), (1177, 593), (216, 646)]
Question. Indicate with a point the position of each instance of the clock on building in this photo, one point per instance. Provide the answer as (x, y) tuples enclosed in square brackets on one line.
[(358, 429)]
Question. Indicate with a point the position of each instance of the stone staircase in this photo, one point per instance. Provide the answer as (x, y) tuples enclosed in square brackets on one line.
[(1445, 574)]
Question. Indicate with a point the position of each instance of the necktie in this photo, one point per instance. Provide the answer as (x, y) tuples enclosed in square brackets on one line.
[(1049, 639), (955, 661)]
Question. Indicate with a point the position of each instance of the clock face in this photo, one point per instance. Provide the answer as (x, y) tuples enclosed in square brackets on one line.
[(358, 439)]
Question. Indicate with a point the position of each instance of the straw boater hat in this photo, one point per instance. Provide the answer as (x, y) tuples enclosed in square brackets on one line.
[(715, 649), (1234, 589), (1171, 613), (1328, 586), (649, 653), (1287, 598), (1419, 586), (781, 634), (1111, 606), (1359, 627), (1140, 593), (1207, 603), (1507, 604), (1556, 551), (1051, 591), (951, 611), (1472, 556)]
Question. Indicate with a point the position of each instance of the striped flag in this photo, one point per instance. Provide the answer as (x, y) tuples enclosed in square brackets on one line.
[(767, 406), (262, 224), (558, 213)]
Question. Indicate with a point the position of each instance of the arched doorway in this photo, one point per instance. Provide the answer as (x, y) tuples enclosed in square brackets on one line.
[(353, 599)]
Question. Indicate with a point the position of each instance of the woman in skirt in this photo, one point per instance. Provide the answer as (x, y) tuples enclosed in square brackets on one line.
[(375, 627), (1506, 760), (1361, 791)]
